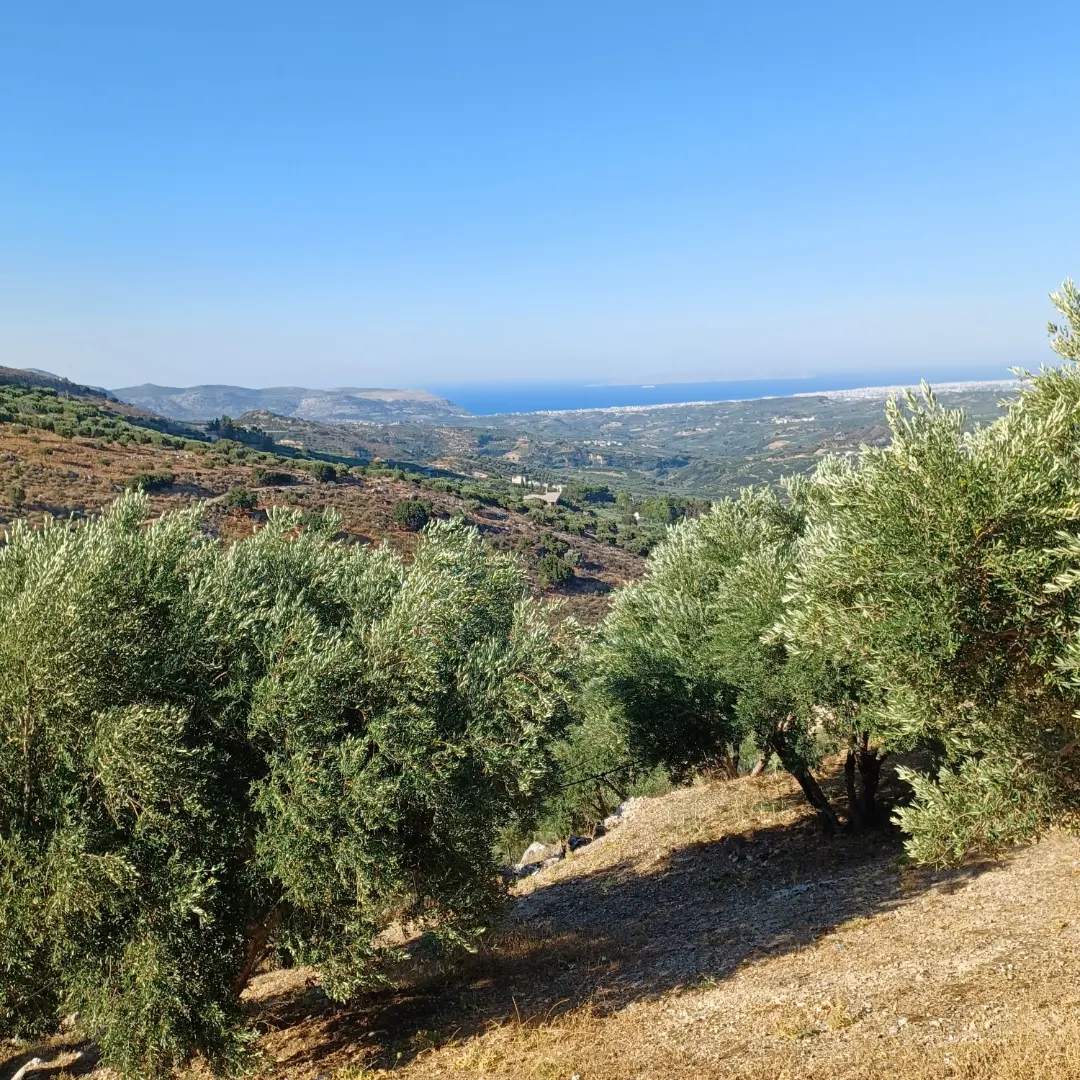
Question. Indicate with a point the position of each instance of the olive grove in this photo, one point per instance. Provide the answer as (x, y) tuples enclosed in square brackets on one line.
[(923, 596), (214, 752)]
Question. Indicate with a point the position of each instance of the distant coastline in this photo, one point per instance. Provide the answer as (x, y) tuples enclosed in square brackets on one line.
[(522, 398), (870, 393), (672, 389)]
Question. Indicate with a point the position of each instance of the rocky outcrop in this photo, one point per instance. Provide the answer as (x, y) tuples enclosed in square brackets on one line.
[(622, 812), (538, 856)]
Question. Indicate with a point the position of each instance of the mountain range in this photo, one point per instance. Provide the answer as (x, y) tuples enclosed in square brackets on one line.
[(347, 403)]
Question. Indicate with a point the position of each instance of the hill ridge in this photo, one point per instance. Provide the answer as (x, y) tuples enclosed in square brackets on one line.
[(205, 401), (12, 376)]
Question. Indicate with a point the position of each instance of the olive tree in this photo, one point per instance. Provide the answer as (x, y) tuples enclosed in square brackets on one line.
[(946, 565), (211, 752), (687, 657)]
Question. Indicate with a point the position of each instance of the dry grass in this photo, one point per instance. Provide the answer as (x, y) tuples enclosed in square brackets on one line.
[(670, 949)]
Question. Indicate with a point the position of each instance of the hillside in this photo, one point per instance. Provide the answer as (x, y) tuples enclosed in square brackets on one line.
[(716, 933), (65, 456), (196, 403), (457, 448), (67, 449), (712, 448), (33, 377), (706, 449), (711, 932)]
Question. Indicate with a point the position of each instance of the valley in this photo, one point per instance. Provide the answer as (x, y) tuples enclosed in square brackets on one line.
[(698, 449), (624, 474)]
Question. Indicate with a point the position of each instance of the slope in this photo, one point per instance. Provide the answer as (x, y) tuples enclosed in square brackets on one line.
[(704, 449), (718, 934), (67, 455)]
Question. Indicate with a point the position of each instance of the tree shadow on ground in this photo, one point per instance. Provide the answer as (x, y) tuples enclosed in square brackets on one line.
[(581, 585), (621, 934), (71, 1056)]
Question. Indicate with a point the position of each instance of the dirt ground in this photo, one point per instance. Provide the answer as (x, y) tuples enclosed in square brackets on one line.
[(61, 476), (718, 933)]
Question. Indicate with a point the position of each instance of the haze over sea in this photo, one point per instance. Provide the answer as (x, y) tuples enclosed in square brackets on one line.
[(487, 398)]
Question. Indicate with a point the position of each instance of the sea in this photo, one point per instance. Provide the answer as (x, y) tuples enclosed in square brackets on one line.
[(485, 399)]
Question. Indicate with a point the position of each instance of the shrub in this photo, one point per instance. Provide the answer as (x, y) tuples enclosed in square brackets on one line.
[(150, 481), (662, 509), (240, 498), (577, 494), (633, 541), (552, 571), (411, 514), (262, 476), (213, 751), (323, 472), (550, 544)]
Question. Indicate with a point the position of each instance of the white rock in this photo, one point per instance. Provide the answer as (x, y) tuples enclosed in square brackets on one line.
[(534, 853)]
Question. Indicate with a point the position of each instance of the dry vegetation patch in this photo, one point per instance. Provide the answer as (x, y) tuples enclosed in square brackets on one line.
[(60, 477), (718, 934)]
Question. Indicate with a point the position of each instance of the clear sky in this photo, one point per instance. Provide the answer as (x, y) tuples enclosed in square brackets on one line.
[(399, 193)]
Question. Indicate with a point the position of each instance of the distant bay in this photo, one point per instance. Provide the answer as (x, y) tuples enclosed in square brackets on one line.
[(485, 399)]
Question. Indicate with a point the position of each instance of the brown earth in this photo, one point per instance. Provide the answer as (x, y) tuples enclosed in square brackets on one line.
[(61, 477), (717, 933)]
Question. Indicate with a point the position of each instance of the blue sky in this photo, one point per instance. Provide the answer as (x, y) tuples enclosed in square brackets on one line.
[(400, 194)]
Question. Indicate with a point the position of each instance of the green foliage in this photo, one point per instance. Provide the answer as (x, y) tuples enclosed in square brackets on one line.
[(685, 658), (947, 565), (553, 571), (577, 493), (1066, 335), (633, 540), (662, 509), (226, 428), (150, 481), (271, 477), (323, 472), (209, 751), (241, 498), (923, 595), (28, 405), (596, 772), (983, 805), (411, 514), (550, 544)]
